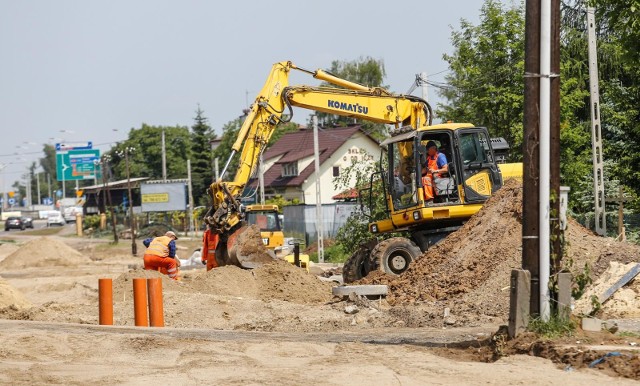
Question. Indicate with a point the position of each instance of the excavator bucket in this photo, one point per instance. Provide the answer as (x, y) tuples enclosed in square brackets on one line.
[(245, 248)]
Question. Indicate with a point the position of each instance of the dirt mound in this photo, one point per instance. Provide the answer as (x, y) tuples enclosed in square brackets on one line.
[(11, 297), (6, 250), (469, 271), (277, 280), (123, 284), (43, 252)]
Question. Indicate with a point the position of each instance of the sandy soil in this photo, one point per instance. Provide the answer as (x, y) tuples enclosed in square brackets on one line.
[(34, 353), (277, 324)]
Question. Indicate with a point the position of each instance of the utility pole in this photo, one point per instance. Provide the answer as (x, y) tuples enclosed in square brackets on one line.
[(49, 186), (164, 159), (105, 169), (134, 248), (190, 189), (530, 231), (316, 153), (596, 132), (38, 187), (556, 228)]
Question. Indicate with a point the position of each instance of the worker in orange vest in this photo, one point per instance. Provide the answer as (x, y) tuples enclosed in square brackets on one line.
[(209, 244), (161, 254), (435, 166)]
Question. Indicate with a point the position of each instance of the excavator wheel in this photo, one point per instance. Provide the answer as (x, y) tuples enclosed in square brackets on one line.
[(395, 254), (360, 263)]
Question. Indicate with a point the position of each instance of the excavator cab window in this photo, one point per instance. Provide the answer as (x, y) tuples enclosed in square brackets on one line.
[(403, 184), (266, 221), (480, 174), (445, 183)]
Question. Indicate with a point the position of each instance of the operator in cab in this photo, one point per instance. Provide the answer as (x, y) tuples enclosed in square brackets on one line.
[(435, 166), (160, 255)]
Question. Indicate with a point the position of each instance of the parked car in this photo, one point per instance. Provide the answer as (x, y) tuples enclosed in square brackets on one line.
[(13, 223), (28, 222), (71, 212), (54, 217)]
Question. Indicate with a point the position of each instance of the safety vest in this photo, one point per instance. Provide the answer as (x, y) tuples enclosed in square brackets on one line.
[(159, 246), (432, 163)]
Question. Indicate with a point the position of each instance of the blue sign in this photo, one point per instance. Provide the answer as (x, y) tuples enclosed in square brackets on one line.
[(58, 193), (12, 201), (47, 201), (74, 146)]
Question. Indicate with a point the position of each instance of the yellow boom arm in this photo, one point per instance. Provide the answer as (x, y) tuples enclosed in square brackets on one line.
[(354, 100)]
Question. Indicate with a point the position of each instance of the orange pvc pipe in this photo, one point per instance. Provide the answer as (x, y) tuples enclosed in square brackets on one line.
[(105, 302), (156, 312), (140, 302)]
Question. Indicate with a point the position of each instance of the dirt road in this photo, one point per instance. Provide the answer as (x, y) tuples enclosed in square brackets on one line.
[(56, 353)]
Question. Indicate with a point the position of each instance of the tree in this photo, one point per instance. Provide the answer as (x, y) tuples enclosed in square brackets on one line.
[(146, 159), (201, 157), (366, 71), (486, 84)]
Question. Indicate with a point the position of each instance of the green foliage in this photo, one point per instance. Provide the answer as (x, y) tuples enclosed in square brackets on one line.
[(146, 159), (281, 202), (91, 221), (336, 253), (486, 83), (201, 157), (581, 281), (366, 71), (555, 328), (356, 230), (595, 305)]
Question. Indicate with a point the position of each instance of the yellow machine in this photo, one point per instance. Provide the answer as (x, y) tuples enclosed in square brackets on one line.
[(266, 218), (473, 172)]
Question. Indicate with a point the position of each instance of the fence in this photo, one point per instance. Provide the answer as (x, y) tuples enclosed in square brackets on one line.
[(300, 220)]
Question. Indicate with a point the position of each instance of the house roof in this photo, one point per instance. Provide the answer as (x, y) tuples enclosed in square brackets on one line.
[(298, 145)]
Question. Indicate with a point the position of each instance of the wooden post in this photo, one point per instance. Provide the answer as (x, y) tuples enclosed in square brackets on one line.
[(620, 199), (531, 140)]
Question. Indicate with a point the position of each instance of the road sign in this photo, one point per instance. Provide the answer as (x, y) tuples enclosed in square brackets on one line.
[(74, 146), (77, 164), (12, 201)]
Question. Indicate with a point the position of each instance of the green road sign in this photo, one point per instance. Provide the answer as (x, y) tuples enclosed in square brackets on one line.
[(78, 164)]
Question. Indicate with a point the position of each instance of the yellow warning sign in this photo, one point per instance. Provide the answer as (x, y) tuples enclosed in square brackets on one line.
[(151, 198)]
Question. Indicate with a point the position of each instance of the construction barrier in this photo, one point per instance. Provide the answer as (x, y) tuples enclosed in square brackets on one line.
[(105, 302), (140, 302), (156, 312)]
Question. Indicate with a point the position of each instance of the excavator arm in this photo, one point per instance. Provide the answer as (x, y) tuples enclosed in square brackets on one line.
[(348, 99)]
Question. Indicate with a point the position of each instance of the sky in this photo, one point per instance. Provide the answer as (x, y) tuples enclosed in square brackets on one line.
[(77, 71)]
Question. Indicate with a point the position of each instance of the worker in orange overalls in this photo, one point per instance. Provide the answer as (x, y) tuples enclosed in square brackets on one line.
[(209, 244), (436, 165), (161, 254)]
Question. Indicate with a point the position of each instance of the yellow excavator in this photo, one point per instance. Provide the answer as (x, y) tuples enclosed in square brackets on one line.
[(472, 174)]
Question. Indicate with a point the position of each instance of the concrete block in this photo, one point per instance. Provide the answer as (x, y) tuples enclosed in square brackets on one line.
[(363, 290), (564, 295), (591, 324), (520, 295)]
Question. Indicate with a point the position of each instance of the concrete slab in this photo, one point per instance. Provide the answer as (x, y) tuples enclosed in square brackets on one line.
[(363, 290)]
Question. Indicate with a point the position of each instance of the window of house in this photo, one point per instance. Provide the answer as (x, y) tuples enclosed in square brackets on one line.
[(290, 169), (336, 171)]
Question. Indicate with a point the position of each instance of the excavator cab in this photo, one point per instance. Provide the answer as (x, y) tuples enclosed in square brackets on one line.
[(267, 219)]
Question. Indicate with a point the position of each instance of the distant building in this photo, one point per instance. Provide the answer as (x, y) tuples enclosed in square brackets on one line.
[(290, 169)]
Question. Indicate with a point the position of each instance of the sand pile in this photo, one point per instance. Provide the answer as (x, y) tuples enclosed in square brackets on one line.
[(249, 244), (7, 249), (123, 284), (277, 280), (44, 252), (469, 271), (11, 297)]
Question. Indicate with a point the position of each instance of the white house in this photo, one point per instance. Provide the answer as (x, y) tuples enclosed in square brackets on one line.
[(290, 168)]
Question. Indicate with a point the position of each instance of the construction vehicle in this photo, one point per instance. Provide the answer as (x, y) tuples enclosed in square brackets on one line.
[(473, 174), (266, 218)]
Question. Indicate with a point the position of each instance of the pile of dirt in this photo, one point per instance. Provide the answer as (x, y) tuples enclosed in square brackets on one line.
[(469, 271), (43, 252), (11, 297), (277, 280), (123, 284), (7, 249)]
